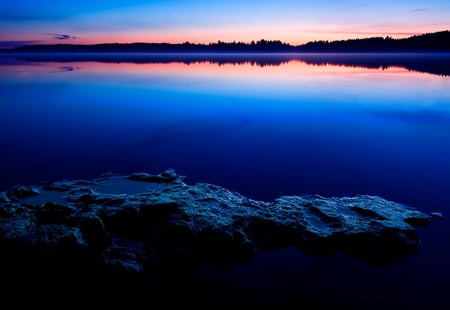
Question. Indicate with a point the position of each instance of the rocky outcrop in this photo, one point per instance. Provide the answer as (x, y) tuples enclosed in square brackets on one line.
[(136, 223)]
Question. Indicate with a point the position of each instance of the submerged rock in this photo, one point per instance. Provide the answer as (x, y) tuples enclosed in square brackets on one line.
[(136, 223)]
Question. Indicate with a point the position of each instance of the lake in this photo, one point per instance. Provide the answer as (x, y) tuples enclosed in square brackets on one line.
[(260, 125)]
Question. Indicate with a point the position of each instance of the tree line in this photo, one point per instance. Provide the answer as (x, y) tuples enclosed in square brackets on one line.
[(431, 42)]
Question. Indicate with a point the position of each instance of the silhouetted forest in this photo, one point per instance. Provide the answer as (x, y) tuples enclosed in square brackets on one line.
[(259, 46), (430, 42)]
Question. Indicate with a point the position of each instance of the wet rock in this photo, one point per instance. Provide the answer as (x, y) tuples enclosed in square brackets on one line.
[(54, 213), (165, 177), (20, 192), (176, 224), (62, 186), (437, 215), (93, 231), (4, 197)]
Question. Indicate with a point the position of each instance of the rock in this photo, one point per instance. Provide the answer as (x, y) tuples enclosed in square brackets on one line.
[(4, 197), (20, 192), (62, 186), (437, 215), (165, 177), (174, 224)]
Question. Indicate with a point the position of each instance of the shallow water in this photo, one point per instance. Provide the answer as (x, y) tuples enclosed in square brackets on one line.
[(264, 126)]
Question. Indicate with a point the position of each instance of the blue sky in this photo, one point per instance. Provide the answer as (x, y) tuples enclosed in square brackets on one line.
[(296, 22)]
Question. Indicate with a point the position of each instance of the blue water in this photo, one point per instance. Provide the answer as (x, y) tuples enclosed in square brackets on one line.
[(263, 129)]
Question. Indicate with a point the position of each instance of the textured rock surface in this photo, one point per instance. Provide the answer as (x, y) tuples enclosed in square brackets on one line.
[(135, 223)]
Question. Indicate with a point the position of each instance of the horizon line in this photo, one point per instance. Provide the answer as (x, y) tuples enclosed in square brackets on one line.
[(220, 41)]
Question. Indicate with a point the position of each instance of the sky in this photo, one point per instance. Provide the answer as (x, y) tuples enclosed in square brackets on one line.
[(204, 21)]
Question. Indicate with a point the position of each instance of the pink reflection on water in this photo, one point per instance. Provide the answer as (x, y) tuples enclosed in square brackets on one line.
[(279, 78)]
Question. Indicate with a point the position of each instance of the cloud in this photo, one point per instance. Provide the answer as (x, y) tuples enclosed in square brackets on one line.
[(59, 36), (418, 10)]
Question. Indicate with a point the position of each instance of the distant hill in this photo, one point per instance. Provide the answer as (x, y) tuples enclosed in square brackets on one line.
[(430, 42)]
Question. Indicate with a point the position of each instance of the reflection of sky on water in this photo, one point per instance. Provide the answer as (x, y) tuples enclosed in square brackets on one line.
[(263, 131), (295, 80)]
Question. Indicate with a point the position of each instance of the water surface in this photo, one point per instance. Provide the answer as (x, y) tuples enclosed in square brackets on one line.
[(264, 126)]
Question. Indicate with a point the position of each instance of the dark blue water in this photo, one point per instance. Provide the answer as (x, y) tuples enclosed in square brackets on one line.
[(262, 128)]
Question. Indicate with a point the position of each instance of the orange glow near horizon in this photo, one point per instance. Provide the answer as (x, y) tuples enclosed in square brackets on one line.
[(204, 22), (206, 36), (293, 38)]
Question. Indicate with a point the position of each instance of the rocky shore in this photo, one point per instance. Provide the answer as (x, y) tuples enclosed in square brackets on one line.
[(129, 225)]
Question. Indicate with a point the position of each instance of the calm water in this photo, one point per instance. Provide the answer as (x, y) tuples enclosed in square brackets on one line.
[(264, 126)]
